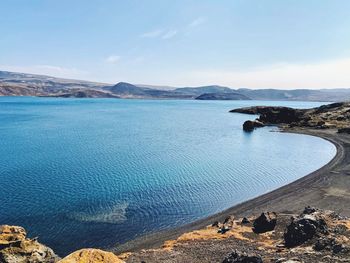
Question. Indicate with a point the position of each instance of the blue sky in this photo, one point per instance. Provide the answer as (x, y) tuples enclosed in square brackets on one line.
[(238, 43)]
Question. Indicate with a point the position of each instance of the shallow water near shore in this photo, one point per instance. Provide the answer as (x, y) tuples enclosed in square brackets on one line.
[(98, 172)]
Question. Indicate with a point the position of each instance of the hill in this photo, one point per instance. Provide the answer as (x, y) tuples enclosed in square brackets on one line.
[(22, 84)]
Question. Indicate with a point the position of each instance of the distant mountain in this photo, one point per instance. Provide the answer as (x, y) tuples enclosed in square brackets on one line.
[(222, 96), (22, 84), (298, 94), (157, 87), (204, 89), (84, 93), (127, 90)]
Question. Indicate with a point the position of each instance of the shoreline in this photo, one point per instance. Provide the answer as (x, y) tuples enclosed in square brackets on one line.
[(325, 188)]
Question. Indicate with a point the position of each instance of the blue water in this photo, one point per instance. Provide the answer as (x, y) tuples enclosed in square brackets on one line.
[(98, 172)]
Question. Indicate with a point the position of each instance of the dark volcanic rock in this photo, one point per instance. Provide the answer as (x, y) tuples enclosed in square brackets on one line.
[(335, 115), (236, 257), (230, 220), (273, 115), (344, 130), (277, 115), (265, 222), (245, 221), (303, 228), (309, 210), (251, 125), (323, 243)]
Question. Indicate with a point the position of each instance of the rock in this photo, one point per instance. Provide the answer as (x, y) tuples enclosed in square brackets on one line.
[(337, 248), (302, 229), (215, 224), (328, 244), (344, 130), (324, 243), (236, 257), (251, 125), (230, 220), (224, 229), (309, 210), (245, 221), (91, 256), (16, 248), (340, 229), (10, 234), (265, 222)]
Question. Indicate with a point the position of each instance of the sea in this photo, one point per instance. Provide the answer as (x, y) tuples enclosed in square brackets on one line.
[(99, 172)]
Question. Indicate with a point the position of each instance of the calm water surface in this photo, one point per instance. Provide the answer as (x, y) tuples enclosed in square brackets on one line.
[(98, 172)]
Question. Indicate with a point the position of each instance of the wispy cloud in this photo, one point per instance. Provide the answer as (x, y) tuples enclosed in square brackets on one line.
[(112, 59), (152, 34), (169, 34), (196, 22), (324, 74)]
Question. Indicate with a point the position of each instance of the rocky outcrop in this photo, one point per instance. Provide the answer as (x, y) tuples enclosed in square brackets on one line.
[(15, 247), (335, 115), (251, 125), (91, 256), (265, 222), (302, 229), (312, 226), (237, 257)]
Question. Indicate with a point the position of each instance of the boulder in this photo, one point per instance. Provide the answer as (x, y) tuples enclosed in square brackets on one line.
[(224, 229), (344, 130), (16, 248), (245, 221), (324, 243), (309, 210), (265, 222), (229, 221), (303, 228), (236, 257), (251, 125), (215, 224), (91, 256)]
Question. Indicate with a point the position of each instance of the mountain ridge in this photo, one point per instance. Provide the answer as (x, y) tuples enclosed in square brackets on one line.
[(23, 84)]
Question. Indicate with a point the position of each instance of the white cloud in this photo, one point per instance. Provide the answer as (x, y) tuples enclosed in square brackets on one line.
[(169, 34), (198, 21), (50, 70), (326, 74), (152, 34), (112, 59)]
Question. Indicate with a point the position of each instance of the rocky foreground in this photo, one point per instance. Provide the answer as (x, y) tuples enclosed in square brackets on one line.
[(312, 236)]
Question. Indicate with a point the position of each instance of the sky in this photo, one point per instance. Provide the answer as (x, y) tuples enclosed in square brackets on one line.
[(287, 44)]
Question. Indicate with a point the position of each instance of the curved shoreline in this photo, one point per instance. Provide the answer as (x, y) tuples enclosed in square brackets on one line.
[(322, 188)]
